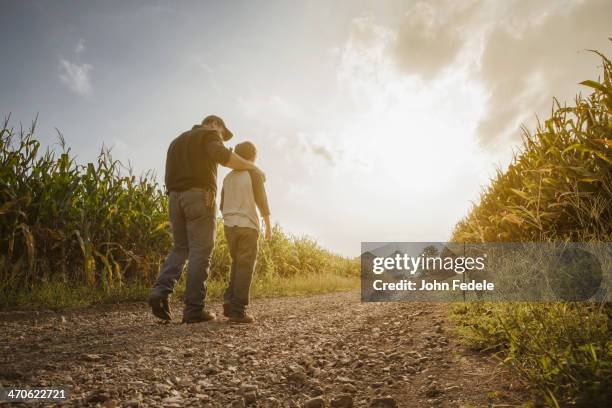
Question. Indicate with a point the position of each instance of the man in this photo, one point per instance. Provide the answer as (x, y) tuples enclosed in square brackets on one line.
[(191, 180), (242, 194)]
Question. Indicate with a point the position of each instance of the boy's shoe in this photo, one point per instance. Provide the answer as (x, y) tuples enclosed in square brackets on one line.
[(237, 317), (245, 318), (204, 316), (160, 307), (226, 310)]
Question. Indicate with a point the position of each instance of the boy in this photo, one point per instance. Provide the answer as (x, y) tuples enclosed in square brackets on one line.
[(242, 192)]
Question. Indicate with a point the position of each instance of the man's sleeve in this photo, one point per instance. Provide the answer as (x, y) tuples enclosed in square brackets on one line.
[(216, 151), (261, 199)]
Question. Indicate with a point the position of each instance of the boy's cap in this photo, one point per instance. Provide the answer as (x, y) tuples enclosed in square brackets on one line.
[(227, 135), (246, 150)]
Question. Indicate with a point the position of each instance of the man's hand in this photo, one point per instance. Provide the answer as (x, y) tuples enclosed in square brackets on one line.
[(236, 162), (260, 172)]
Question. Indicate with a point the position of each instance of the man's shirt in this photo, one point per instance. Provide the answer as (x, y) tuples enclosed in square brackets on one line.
[(193, 158), (243, 192)]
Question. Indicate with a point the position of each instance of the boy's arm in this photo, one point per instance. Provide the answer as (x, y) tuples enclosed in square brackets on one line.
[(261, 199)]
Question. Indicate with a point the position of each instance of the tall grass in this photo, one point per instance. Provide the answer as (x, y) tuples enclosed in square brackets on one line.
[(558, 188), (69, 230)]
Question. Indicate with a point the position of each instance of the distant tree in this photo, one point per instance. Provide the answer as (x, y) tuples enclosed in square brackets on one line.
[(429, 251)]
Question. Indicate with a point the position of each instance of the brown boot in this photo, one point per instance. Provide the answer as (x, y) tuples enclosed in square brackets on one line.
[(204, 316), (160, 307), (226, 310), (245, 318)]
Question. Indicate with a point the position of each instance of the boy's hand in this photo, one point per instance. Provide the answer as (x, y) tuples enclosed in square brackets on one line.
[(268, 234)]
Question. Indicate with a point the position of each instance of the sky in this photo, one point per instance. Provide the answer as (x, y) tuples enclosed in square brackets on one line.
[(374, 120)]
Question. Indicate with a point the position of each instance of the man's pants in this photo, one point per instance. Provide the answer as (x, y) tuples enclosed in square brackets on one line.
[(242, 243), (193, 231)]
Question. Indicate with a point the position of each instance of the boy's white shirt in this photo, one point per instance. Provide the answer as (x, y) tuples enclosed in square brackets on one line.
[(239, 207)]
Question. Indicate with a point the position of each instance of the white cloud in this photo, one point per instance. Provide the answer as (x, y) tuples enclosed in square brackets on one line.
[(318, 145), (364, 62), (80, 47), (201, 63), (280, 118), (76, 76)]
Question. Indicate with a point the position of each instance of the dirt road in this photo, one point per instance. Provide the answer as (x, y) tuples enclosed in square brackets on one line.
[(327, 350)]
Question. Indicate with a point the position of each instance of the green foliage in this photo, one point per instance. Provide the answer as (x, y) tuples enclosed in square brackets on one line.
[(560, 185), (61, 221), (559, 188), (563, 349), (65, 225)]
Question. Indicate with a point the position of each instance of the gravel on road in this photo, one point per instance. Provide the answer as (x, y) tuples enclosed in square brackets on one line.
[(319, 351)]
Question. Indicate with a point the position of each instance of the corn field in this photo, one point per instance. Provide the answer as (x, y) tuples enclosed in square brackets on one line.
[(84, 224), (98, 225), (559, 188)]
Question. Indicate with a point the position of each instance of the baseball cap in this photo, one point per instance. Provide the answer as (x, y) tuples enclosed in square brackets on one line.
[(227, 134)]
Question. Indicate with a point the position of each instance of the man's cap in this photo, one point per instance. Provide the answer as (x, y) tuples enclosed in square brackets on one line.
[(227, 134)]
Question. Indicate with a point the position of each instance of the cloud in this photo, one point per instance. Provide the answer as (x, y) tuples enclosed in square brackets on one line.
[(323, 152), (432, 34), (279, 119), (201, 63), (522, 53), (76, 76), (537, 54), (80, 47), (364, 61), (317, 145)]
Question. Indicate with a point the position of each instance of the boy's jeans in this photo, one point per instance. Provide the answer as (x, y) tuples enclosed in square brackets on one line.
[(193, 230), (242, 243)]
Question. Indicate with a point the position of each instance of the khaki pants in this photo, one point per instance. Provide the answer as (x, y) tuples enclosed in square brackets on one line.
[(242, 243), (193, 230)]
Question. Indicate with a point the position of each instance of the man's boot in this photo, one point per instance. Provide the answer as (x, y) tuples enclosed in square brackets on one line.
[(160, 307)]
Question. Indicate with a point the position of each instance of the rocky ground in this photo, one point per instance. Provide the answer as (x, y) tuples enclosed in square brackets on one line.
[(320, 351)]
